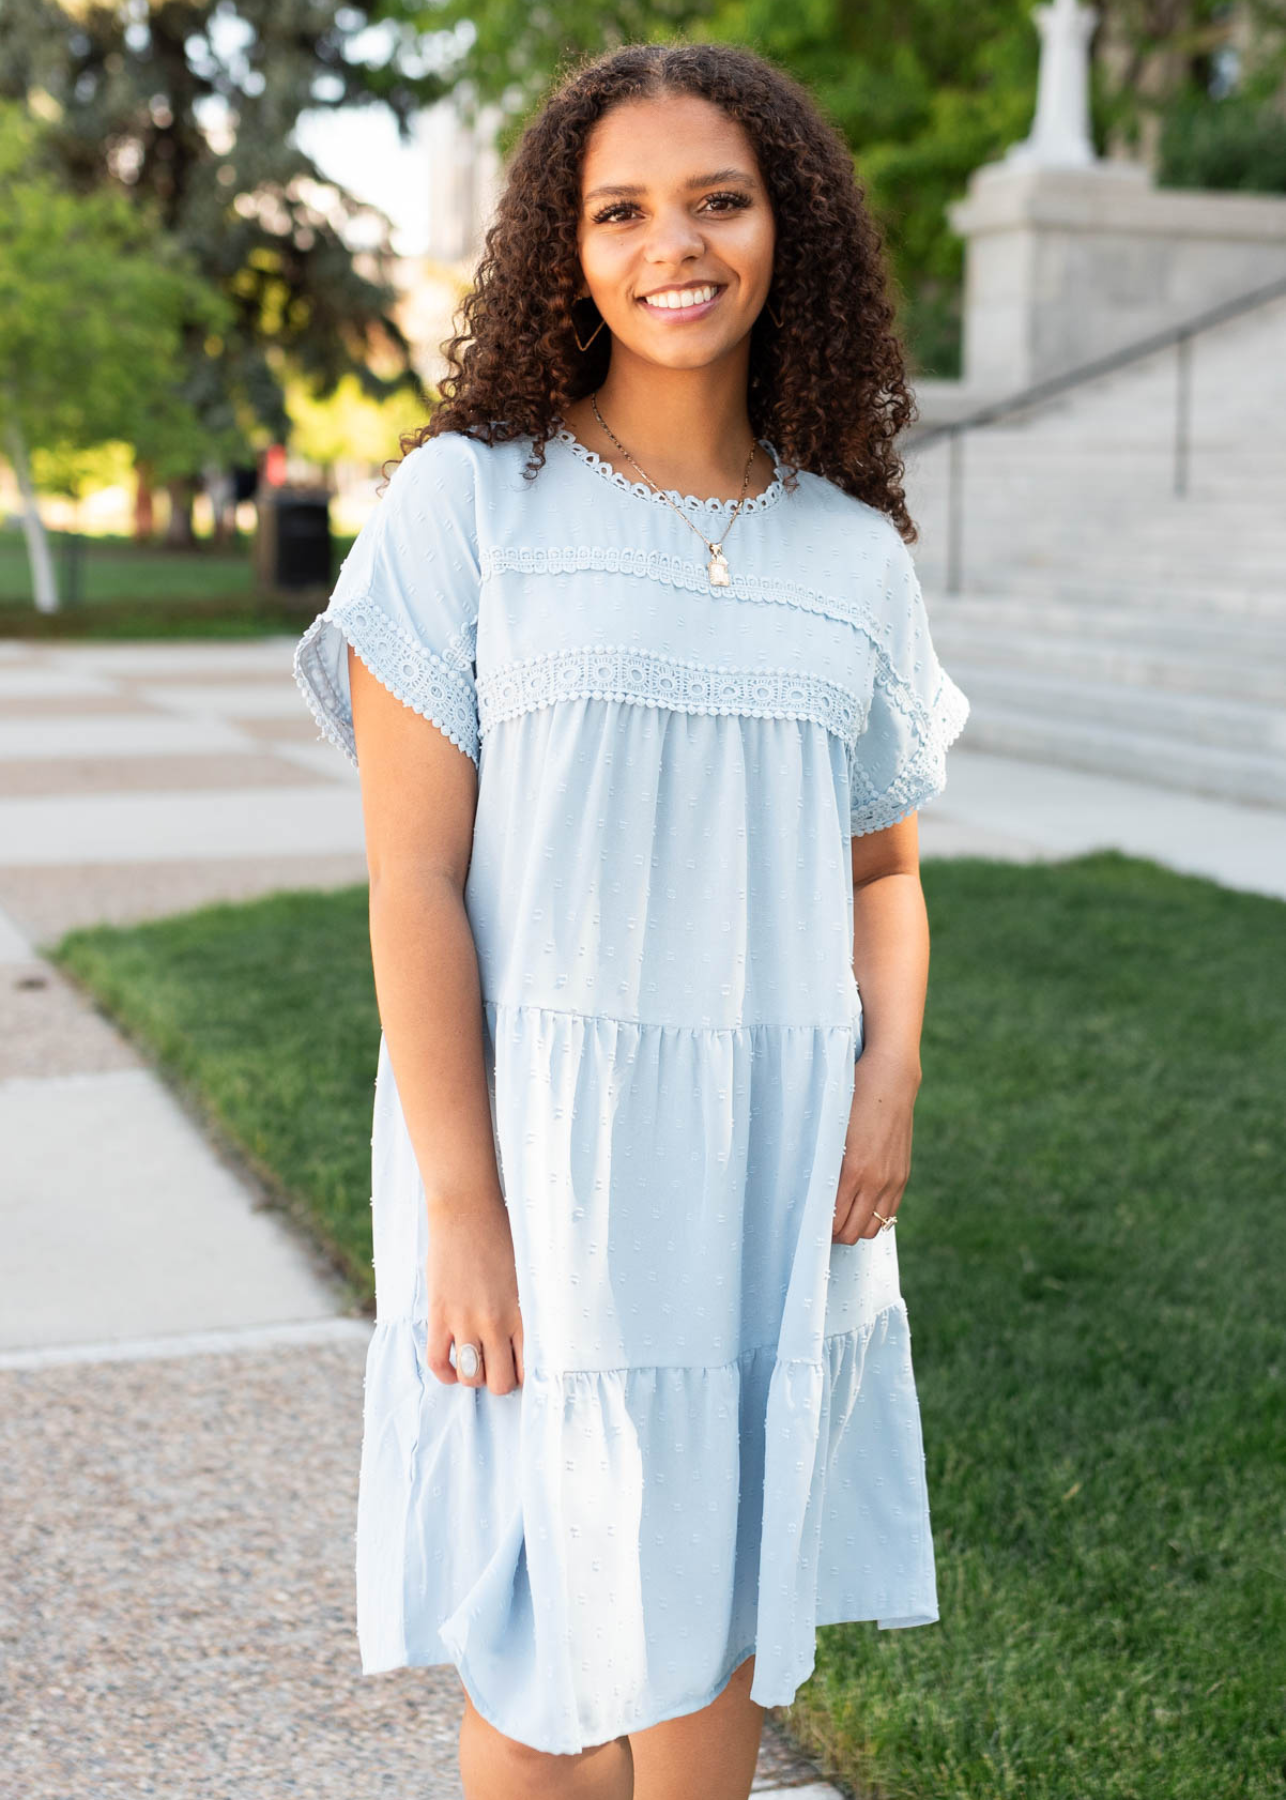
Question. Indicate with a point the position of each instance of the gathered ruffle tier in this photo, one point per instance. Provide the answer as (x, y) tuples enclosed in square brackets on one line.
[(604, 1547)]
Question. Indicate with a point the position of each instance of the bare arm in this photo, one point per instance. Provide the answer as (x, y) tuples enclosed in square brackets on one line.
[(419, 794), (891, 961)]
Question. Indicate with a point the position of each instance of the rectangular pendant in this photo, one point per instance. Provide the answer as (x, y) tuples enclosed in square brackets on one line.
[(719, 572)]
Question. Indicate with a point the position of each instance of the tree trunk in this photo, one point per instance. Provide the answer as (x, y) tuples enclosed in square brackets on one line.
[(44, 584), (179, 534), (144, 511)]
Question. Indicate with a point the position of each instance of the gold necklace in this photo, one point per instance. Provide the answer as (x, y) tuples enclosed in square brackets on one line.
[(717, 567)]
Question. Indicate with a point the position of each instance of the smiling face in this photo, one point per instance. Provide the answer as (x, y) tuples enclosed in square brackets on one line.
[(676, 230)]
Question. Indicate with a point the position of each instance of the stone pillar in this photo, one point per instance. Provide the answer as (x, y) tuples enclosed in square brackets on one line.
[(1070, 256), (1066, 265)]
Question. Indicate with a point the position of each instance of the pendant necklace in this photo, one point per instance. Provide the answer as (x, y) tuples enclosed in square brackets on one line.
[(717, 567)]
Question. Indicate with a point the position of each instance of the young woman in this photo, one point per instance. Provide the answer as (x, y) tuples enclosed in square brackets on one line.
[(636, 670)]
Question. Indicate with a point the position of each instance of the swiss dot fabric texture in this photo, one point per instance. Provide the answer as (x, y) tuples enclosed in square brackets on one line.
[(717, 1444)]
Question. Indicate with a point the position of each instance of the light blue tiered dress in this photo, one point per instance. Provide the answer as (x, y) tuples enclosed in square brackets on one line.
[(717, 1444)]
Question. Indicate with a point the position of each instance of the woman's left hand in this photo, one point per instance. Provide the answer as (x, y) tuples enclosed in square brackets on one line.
[(877, 1146)]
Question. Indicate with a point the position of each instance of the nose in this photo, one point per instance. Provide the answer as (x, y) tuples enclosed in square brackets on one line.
[(673, 237)]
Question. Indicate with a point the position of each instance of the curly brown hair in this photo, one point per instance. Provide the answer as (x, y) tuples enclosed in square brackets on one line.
[(827, 388)]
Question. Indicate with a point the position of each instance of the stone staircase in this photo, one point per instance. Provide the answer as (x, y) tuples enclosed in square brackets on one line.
[(1105, 623)]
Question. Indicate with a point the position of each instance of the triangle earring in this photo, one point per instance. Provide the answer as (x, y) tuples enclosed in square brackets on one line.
[(593, 334)]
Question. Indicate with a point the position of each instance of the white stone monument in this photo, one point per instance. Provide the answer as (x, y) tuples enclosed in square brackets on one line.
[(1070, 255), (1060, 134)]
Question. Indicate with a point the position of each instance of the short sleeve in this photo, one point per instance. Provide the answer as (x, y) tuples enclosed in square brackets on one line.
[(406, 599), (898, 760)]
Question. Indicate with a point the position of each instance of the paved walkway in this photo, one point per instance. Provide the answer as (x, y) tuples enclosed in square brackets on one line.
[(180, 1403)]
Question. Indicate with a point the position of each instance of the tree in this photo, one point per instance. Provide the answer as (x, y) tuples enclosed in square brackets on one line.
[(94, 303), (190, 105)]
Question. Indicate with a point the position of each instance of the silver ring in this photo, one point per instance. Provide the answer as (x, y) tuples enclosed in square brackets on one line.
[(468, 1360)]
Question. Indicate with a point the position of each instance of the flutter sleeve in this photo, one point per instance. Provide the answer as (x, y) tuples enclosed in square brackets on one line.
[(406, 599), (898, 760)]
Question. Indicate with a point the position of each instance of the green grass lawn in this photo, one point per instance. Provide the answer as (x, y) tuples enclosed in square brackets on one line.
[(130, 590), (1093, 1248)]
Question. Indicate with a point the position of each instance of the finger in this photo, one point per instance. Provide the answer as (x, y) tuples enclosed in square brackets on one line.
[(502, 1377), (517, 1344), (849, 1226), (437, 1354)]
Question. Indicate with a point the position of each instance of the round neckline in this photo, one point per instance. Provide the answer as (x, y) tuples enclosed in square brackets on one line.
[(712, 507)]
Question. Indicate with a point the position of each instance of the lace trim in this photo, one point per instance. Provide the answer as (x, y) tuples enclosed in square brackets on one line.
[(713, 508), (680, 573), (935, 727), (645, 678), (418, 677)]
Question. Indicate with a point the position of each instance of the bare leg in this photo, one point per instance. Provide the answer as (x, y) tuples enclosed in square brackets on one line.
[(712, 1753), (496, 1767)]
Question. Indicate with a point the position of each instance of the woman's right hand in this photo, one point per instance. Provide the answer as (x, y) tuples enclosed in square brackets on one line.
[(471, 1280)]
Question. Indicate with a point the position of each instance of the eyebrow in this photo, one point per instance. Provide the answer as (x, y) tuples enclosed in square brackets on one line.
[(694, 181)]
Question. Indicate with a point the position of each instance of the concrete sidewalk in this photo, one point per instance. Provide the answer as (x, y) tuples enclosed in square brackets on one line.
[(1022, 812)]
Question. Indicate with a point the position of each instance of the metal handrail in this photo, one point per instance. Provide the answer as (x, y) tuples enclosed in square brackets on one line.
[(1174, 337)]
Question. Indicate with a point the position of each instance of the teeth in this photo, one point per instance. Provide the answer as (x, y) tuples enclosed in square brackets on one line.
[(682, 297)]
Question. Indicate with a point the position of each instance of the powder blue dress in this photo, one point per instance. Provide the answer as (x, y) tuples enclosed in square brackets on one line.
[(717, 1446)]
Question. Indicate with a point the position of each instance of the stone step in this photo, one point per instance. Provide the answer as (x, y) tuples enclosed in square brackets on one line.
[(1189, 718), (1071, 506), (1094, 660), (1222, 467), (1136, 755), (991, 577), (1147, 444), (1048, 498), (1134, 517), (994, 618), (1062, 499), (1067, 561)]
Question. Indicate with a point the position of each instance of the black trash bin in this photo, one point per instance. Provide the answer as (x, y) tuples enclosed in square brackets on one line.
[(293, 543)]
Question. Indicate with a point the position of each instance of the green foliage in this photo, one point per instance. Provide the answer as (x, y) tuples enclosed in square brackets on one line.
[(348, 424), (191, 109), (94, 303), (1234, 144)]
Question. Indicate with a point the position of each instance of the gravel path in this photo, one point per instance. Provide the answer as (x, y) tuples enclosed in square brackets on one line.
[(178, 1612), (177, 1616)]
